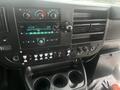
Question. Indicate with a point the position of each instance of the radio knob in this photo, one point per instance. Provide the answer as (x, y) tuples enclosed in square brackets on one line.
[(41, 41), (26, 15)]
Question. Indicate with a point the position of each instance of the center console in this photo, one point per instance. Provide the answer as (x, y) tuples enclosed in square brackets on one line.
[(42, 36), (50, 39)]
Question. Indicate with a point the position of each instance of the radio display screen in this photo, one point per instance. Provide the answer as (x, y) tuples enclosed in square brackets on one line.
[(39, 30)]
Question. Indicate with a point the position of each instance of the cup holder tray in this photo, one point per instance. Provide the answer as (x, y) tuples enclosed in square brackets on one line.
[(60, 81)]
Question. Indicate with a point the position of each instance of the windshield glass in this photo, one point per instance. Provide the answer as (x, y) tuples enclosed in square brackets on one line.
[(106, 1), (90, 1)]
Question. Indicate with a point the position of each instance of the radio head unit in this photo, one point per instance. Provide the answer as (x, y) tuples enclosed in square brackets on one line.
[(38, 27), (39, 35)]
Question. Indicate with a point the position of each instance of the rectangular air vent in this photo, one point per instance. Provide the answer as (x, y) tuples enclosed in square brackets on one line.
[(84, 19), (89, 14)]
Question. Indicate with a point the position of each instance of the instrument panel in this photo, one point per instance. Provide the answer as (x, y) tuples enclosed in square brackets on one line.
[(51, 33)]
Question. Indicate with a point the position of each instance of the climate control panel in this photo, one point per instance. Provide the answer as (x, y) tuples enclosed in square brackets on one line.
[(38, 13)]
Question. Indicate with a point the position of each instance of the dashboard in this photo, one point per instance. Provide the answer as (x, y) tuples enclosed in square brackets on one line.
[(39, 33)]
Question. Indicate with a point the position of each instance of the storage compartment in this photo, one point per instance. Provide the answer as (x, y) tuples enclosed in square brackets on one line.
[(67, 77)]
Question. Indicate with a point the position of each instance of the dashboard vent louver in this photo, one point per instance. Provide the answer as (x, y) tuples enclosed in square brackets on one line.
[(83, 19)]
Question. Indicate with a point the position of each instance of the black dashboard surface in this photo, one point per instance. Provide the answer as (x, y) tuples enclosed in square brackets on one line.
[(42, 32)]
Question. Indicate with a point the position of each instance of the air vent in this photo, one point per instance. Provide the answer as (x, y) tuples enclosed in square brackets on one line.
[(83, 19), (89, 14)]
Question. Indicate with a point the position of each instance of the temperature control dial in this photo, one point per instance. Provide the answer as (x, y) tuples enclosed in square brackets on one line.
[(53, 14), (40, 14), (26, 15)]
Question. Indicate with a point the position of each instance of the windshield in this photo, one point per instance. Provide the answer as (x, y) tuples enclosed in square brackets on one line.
[(106, 1), (90, 1)]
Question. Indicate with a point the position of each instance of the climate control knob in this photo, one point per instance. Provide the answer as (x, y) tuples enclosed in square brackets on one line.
[(40, 14), (26, 15), (53, 14)]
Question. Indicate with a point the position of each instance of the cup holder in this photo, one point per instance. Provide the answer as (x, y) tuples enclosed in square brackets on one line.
[(75, 77), (60, 81), (42, 84)]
